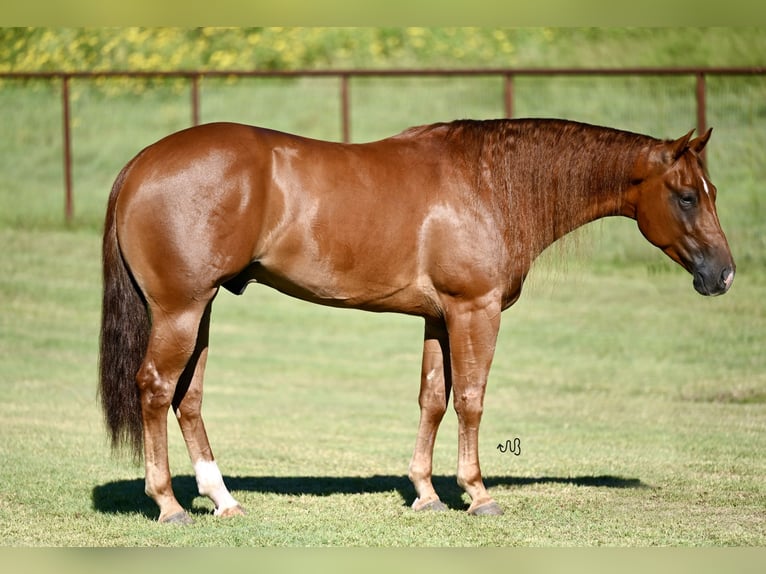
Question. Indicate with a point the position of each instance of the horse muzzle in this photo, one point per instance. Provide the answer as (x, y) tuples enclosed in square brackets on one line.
[(713, 281)]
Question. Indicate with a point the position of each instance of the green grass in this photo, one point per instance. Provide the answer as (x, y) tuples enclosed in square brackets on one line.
[(641, 406), (623, 388)]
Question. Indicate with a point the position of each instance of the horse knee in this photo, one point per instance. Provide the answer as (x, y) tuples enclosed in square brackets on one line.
[(434, 403), (433, 413), (469, 407)]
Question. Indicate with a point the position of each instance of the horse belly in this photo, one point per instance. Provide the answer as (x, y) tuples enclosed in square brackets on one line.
[(340, 274)]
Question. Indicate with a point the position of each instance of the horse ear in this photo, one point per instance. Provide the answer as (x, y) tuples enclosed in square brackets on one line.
[(698, 144), (678, 147), (667, 152)]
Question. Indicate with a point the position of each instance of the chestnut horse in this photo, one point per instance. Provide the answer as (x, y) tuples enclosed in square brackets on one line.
[(440, 221)]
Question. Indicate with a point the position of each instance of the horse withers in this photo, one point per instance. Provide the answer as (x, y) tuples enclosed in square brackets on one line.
[(441, 221)]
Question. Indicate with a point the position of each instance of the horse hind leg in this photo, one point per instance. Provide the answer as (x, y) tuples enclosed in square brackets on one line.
[(172, 343), (435, 384), (187, 406)]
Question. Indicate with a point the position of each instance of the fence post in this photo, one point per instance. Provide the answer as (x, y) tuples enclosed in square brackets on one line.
[(344, 104), (68, 199), (508, 95), (195, 99), (701, 105)]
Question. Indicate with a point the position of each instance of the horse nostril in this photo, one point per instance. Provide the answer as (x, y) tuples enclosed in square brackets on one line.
[(727, 277)]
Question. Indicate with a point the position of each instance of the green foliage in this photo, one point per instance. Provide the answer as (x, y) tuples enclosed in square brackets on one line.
[(246, 48), (38, 49)]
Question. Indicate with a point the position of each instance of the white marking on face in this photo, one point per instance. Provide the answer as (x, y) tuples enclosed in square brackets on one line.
[(705, 187)]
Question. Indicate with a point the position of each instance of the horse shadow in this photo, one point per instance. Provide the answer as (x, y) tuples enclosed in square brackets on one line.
[(127, 496)]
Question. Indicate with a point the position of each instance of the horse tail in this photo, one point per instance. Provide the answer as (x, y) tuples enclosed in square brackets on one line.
[(125, 326)]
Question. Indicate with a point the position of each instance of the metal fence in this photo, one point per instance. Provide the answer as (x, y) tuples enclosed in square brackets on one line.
[(509, 77)]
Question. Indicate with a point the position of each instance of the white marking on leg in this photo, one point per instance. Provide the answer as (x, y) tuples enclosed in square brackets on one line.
[(210, 484)]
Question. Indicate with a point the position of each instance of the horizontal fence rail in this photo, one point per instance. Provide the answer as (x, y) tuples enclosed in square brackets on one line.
[(344, 76)]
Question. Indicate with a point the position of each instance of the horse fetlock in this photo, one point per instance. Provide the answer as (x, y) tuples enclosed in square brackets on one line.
[(471, 482), (419, 473), (210, 483)]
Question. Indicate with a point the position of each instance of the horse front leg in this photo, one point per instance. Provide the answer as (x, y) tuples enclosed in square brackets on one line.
[(435, 384), (187, 405), (473, 329)]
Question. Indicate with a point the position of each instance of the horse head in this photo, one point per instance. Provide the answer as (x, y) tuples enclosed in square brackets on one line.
[(673, 201)]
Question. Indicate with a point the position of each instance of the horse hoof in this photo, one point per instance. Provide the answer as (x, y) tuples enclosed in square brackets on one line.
[(231, 511), (488, 509), (181, 518), (432, 506)]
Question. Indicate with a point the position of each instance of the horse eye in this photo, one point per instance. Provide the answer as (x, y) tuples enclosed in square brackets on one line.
[(687, 200)]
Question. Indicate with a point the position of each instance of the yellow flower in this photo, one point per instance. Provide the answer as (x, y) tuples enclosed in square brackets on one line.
[(376, 48)]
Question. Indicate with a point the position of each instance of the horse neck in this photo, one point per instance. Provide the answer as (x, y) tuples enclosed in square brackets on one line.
[(555, 181)]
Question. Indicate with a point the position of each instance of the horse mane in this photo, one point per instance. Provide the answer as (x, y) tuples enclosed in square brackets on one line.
[(545, 176)]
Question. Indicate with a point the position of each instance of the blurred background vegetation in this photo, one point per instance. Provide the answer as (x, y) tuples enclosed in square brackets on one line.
[(36, 49)]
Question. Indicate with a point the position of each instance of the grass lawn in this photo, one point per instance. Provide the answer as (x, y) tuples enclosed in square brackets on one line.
[(639, 405)]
